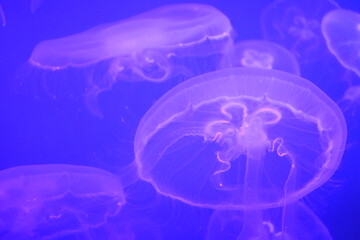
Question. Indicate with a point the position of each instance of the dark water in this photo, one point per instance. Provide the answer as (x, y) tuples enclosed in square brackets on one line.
[(44, 119)]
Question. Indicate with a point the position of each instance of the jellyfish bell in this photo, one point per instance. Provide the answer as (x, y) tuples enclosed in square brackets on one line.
[(341, 30), (295, 222), (153, 46), (261, 54), (240, 138), (174, 29), (52, 201), (296, 25)]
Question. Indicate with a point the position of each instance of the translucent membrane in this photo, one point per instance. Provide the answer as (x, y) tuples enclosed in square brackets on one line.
[(171, 41), (341, 29), (295, 222), (149, 37), (296, 25), (54, 201), (262, 54), (240, 138)]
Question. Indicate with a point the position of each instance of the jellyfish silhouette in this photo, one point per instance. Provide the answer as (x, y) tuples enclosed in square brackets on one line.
[(341, 29), (35, 5), (295, 221), (54, 201), (240, 138), (351, 97), (150, 46), (2, 16), (296, 25), (262, 54)]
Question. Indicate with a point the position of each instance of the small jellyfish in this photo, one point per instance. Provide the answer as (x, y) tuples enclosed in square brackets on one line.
[(295, 221), (240, 138), (262, 54), (352, 95), (296, 25), (341, 29), (2, 16), (151, 46), (53, 201), (35, 4), (350, 105)]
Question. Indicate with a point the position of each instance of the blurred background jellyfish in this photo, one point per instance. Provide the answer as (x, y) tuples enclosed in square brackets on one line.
[(240, 138), (262, 54), (56, 201), (35, 4), (295, 24), (341, 29), (153, 46), (295, 222), (350, 105), (2, 16)]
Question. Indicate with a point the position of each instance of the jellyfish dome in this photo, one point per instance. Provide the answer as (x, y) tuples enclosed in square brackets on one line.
[(240, 138), (54, 201), (296, 222), (180, 40), (143, 43), (262, 54), (341, 29)]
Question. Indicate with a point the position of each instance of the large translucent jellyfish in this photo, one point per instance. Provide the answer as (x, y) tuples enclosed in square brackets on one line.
[(295, 24), (240, 138), (341, 29), (262, 54), (53, 201), (295, 222), (151, 46)]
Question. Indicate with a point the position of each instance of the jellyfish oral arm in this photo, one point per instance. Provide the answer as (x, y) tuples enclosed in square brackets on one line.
[(256, 143)]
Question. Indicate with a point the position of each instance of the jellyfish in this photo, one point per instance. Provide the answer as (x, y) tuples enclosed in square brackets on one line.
[(2, 16), (240, 138), (53, 201), (350, 105), (352, 96), (341, 29), (153, 46), (296, 25), (262, 54), (35, 4), (295, 222)]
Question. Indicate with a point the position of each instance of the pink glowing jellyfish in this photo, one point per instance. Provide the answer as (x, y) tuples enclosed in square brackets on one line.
[(262, 54), (53, 201), (148, 47), (240, 138)]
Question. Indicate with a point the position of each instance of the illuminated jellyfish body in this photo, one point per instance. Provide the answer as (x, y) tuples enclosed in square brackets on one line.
[(262, 54), (293, 222), (148, 47), (341, 29), (54, 201), (240, 138), (295, 25)]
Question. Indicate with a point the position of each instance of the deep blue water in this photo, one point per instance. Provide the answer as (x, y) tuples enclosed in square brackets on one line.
[(37, 128)]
